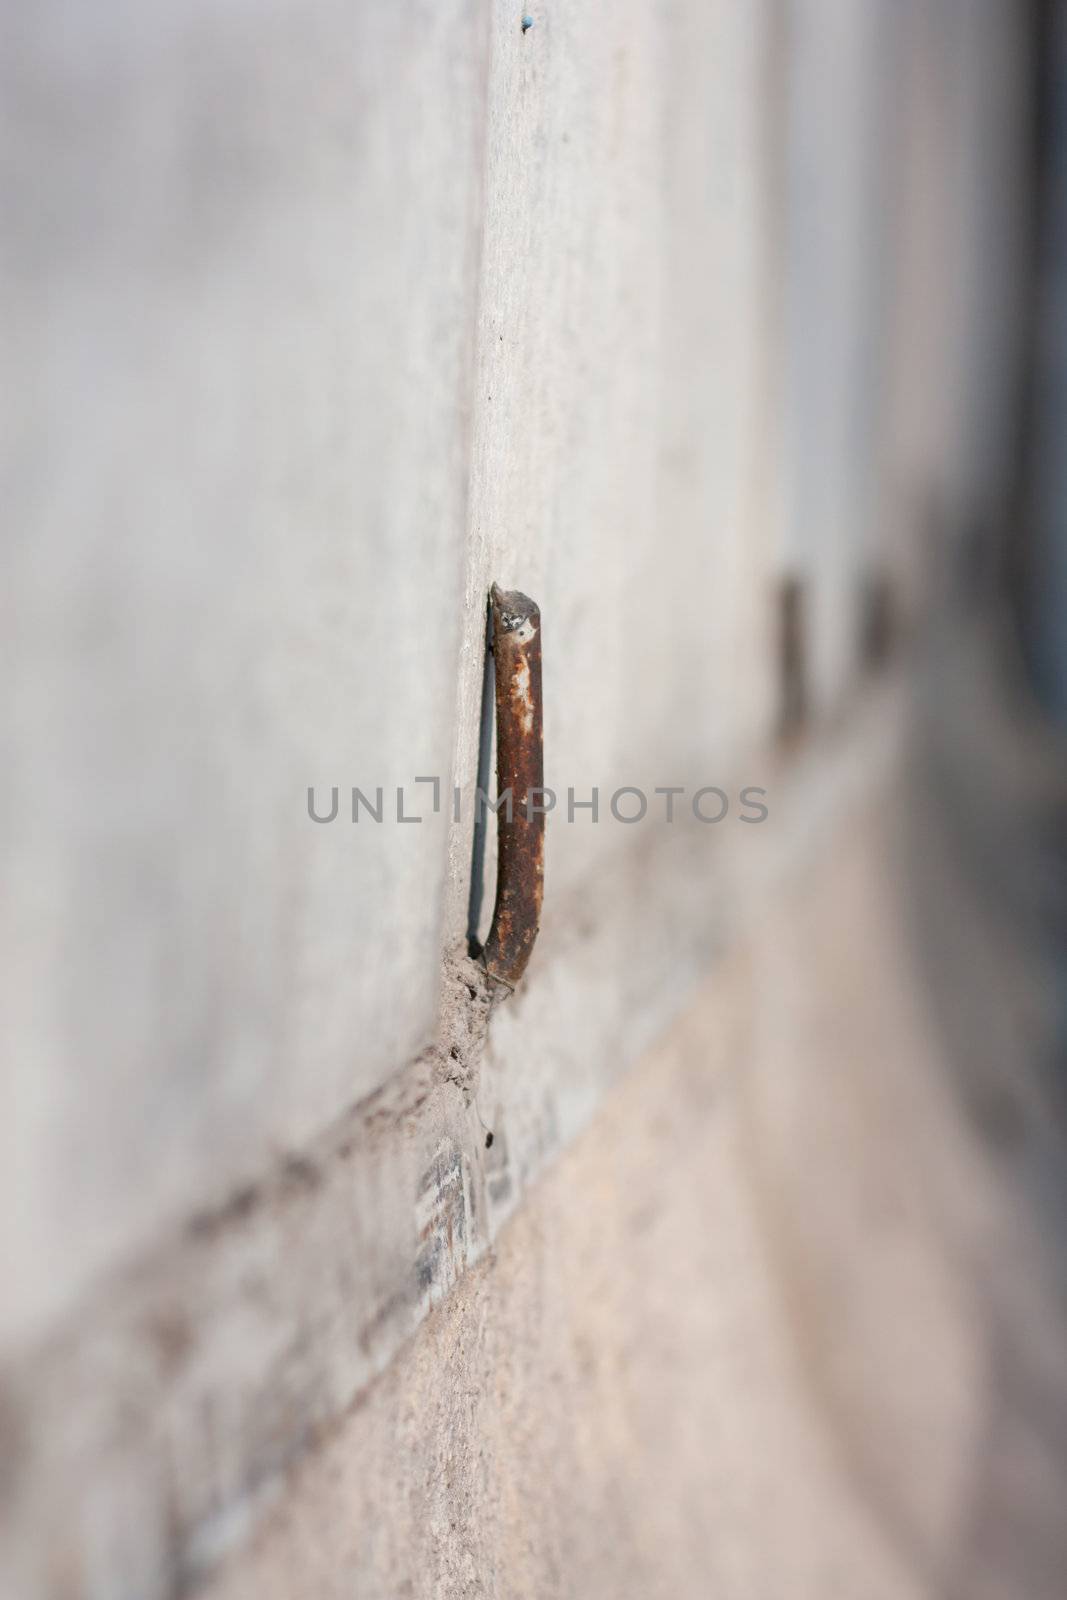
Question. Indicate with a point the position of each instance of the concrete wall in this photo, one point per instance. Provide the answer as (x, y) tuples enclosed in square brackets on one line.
[(319, 319), (240, 292)]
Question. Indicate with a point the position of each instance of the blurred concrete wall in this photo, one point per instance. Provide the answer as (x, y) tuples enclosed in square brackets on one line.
[(317, 320)]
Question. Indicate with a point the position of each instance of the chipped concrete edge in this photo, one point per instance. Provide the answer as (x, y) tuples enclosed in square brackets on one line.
[(145, 1437)]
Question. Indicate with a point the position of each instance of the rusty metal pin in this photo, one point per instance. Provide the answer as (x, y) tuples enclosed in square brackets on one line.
[(520, 769)]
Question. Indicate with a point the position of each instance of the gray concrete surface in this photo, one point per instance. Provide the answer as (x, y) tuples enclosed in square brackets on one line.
[(317, 318), (317, 323), (236, 424)]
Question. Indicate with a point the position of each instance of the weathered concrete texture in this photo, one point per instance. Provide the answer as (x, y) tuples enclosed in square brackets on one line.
[(799, 1340), (235, 425), (287, 291), (616, 425), (145, 1436), (322, 318)]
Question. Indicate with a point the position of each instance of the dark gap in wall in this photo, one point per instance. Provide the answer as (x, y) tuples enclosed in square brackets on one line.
[(877, 621)]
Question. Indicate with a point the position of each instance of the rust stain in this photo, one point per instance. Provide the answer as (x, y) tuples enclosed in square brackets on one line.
[(520, 769)]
